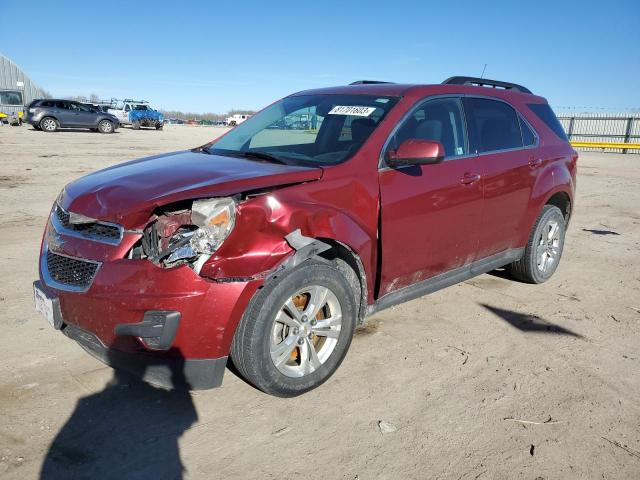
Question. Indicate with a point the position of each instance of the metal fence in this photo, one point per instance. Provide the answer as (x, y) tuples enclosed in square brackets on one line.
[(599, 128)]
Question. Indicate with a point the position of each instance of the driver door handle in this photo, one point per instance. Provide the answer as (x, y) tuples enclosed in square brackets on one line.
[(469, 178), (535, 162)]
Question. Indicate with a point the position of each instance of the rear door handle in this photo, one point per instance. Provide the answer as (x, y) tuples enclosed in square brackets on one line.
[(535, 162), (469, 178)]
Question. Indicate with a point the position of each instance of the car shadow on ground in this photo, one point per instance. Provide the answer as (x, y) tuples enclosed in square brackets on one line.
[(129, 430), (502, 272), (600, 232), (73, 130), (529, 323)]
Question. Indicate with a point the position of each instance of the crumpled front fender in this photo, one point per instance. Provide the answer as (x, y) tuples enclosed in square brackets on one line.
[(258, 246)]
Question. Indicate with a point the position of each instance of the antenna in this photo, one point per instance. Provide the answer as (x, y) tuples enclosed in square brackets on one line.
[(482, 74)]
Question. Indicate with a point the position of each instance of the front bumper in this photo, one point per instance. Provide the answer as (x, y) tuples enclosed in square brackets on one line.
[(108, 317), (165, 371)]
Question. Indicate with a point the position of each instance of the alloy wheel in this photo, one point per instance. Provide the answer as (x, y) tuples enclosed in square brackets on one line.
[(305, 331), (548, 246), (105, 126), (49, 125)]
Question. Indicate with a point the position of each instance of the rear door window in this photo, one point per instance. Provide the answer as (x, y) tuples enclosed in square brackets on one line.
[(493, 125), (528, 137)]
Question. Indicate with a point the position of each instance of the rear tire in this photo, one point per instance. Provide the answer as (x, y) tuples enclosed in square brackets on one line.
[(105, 126), (49, 124), (544, 248), (286, 352)]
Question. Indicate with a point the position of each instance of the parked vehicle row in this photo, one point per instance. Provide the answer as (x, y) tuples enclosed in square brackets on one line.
[(193, 121), (50, 115), (269, 245)]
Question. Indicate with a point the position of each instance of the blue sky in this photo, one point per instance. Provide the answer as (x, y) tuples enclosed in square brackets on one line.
[(213, 56)]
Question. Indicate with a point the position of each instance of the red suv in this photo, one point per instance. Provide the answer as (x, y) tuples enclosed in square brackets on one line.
[(273, 242)]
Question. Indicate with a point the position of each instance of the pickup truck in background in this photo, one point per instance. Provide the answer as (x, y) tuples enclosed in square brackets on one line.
[(236, 119), (137, 113)]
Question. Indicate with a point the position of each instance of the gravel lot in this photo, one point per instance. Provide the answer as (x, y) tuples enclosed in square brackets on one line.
[(487, 379)]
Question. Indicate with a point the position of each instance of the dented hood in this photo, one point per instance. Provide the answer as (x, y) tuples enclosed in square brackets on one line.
[(128, 193)]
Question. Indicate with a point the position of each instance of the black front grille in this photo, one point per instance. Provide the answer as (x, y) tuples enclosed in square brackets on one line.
[(90, 230), (71, 271), (63, 217)]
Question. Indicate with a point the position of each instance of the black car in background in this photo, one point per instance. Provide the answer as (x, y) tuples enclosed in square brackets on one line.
[(50, 115)]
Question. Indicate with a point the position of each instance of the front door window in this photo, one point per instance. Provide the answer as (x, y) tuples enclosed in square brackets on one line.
[(439, 120)]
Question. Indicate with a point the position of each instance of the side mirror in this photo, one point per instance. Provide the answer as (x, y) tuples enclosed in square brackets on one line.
[(415, 152)]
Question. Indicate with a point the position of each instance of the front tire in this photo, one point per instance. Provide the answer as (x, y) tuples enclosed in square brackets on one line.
[(544, 248), (105, 126), (49, 124), (296, 331)]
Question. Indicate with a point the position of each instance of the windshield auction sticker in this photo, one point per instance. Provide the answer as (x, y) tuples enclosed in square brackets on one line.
[(352, 110)]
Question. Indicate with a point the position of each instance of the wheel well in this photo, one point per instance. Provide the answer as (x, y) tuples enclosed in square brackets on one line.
[(357, 277), (563, 202)]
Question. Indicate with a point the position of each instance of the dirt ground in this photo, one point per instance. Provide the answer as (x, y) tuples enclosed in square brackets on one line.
[(487, 379)]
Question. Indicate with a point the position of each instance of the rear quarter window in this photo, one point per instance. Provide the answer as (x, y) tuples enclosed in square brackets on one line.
[(543, 112)]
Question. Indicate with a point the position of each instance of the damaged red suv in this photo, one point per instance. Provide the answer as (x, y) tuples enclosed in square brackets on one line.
[(272, 243)]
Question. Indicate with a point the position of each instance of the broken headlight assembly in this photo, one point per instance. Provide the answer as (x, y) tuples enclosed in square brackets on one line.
[(187, 235), (215, 219)]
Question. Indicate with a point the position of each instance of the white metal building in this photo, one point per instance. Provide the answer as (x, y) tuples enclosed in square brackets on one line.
[(16, 88)]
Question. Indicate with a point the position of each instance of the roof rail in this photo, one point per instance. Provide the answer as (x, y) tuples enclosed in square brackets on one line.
[(367, 82), (485, 82)]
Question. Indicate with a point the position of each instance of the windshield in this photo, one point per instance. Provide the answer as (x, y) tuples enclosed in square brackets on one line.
[(307, 129)]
